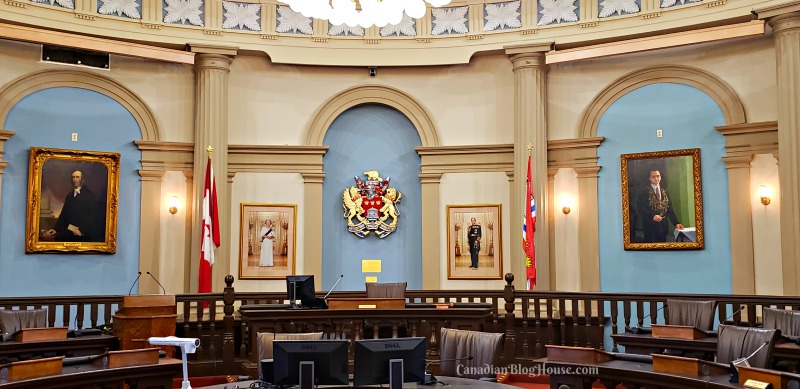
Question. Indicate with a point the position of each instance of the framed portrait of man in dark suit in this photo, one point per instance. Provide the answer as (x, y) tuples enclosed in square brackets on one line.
[(662, 203), (72, 201)]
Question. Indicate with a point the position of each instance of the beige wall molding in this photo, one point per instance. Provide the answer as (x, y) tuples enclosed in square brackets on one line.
[(749, 139), (36, 35), (166, 156), (722, 93), (684, 38), (378, 94), (275, 159), (16, 90), (573, 153), (742, 143), (467, 159)]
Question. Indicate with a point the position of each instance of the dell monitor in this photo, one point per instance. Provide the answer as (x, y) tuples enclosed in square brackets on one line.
[(300, 288), (309, 363), (372, 361)]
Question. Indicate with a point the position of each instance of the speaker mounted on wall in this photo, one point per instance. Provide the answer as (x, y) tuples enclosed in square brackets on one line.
[(71, 56)]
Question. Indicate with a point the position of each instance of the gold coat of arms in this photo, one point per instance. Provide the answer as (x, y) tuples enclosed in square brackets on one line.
[(371, 205)]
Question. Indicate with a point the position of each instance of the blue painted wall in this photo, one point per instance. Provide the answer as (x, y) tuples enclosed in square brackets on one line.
[(47, 118), (371, 137), (687, 116)]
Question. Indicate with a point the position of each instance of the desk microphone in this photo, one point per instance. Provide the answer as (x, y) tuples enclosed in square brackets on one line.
[(732, 314), (734, 370), (334, 286), (134, 283), (164, 291), (641, 330), (430, 379)]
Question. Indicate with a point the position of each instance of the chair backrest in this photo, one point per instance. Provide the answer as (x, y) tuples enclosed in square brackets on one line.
[(697, 314), (736, 342), (265, 339), (12, 321), (786, 321), (386, 289), (483, 347)]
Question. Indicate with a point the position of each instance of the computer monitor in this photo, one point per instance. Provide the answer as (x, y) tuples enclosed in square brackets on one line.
[(372, 356), (328, 356), (300, 288)]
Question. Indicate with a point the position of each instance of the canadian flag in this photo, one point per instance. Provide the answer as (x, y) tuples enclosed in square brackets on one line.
[(209, 239)]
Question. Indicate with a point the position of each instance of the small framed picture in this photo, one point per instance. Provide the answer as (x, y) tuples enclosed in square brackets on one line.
[(474, 242), (267, 240), (72, 201), (662, 200)]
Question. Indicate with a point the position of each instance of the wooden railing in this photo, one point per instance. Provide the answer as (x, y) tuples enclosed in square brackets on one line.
[(530, 320)]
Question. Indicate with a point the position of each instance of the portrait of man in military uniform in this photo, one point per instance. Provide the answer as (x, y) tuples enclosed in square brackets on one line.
[(474, 244)]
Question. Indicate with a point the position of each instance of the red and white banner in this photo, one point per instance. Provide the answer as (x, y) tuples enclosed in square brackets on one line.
[(528, 228), (209, 239)]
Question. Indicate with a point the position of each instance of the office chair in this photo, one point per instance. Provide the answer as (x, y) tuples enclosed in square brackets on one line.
[(697, 314), (264, 344), (736, 342), (456, 346), (386, 289), (780, 319)]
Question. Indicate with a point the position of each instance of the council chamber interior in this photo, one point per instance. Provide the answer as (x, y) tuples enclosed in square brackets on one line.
[(564, 194)]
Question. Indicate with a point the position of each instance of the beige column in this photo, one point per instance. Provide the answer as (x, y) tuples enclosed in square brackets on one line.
[(742, 258), (4, 136), (212, 67), (150, 230), (551, 223), (786, 32), (530, 127), (431, 249), (190, 281), (312, 228), (588, 226)]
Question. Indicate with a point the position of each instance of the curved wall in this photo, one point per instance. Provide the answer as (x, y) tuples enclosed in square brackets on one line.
[(371, 137), (687, 117), (46, 119)]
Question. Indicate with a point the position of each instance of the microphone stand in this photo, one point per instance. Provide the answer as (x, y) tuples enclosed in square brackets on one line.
[(430, 379)]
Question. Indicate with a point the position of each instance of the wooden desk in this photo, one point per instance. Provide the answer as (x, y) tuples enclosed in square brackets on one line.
[(87, 376), (647, 344), (452, 382), (351, 323), (70, 347), (366, 303), (629, 374)]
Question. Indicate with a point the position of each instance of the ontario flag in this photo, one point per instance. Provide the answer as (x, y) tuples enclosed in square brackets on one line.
[(528, 228), (209, 239)]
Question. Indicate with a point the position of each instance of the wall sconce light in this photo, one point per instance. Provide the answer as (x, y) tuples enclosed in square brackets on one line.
[(765, 193), (174, 203), (566, 204)]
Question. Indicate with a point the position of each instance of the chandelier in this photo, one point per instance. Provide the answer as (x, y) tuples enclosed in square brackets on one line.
[(362, 13)]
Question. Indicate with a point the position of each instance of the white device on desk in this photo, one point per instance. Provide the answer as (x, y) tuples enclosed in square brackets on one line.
[(187, 345)]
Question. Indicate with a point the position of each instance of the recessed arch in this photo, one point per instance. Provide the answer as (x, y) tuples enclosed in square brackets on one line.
[(367, 94), (16, 90), (722, 93)]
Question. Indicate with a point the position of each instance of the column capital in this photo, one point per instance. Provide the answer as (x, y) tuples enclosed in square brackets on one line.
[(430, 178), (213, 57), (738, 161), (313, 178), (785, 22), (551, 172), (151, 175), (587, 171), (528, 56), (4, 136)]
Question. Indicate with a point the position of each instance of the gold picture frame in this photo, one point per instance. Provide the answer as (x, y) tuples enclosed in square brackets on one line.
[(490, 249), (651, 216), (265, 226), (64, 219)]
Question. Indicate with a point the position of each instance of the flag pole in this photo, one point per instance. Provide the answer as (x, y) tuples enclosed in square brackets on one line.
[(210, 150)]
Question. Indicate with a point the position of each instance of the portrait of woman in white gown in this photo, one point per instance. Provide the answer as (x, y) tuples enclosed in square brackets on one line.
[(267, 237)]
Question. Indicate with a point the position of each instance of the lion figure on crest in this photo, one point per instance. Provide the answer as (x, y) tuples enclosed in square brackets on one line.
[(389, 210), (352, 205)]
